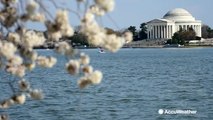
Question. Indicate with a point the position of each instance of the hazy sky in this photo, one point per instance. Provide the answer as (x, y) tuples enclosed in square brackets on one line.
[(135, 12)]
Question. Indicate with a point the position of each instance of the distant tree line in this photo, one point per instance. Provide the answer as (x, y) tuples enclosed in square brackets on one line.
[(140, 34), (78, 39)]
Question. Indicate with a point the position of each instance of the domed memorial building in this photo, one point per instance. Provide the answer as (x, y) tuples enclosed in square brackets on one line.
[(172, 22)]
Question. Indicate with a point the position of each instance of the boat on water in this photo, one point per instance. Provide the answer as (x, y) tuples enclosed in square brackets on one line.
[(101, 50)]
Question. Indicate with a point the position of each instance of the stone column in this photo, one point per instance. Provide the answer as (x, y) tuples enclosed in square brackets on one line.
[(148, 27), (155, 33), (148, 34), (149, 30), (167, 31), (152, 32), (170, 31), (196, 30), (199, 30), (164, 31), (163, 27), (161, 31), (158, 31)]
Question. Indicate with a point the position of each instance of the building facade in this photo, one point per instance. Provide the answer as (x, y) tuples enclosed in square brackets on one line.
[(172, 22)]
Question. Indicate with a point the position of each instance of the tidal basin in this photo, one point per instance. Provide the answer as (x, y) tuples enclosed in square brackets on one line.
[(137, 83)]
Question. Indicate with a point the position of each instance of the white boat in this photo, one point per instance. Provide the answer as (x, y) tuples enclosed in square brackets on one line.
[(101, 50)]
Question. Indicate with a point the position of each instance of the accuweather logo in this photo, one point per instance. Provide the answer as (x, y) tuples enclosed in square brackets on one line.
[(160, 111), (174, 112)]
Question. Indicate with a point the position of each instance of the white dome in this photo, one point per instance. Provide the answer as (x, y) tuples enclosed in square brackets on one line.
[(179, 14)]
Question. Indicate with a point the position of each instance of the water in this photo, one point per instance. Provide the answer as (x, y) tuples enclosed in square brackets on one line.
[(137, 83)]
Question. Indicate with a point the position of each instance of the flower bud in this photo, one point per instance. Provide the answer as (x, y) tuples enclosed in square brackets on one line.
[(23, 85), (19, 99), (36, 94)]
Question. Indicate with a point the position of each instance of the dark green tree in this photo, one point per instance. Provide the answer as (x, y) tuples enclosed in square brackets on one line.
[(132, 29), (143, 31), (134, 32), (210, 33), (183, 36), (111, 31), (207, 32), (189, 35), (78, 38)]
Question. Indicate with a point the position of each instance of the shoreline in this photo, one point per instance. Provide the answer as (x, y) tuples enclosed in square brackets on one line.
[(134, 47)]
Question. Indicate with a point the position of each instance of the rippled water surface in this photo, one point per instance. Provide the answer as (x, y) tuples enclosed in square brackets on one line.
[(137, 83)]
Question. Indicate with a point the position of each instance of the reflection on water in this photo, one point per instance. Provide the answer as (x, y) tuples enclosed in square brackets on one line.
[(137, 83)]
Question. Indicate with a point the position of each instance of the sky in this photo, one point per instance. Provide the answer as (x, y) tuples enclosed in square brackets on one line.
[(134, 12)]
